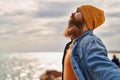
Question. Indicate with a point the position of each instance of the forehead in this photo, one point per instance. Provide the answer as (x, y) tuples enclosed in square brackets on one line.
[(79, 12)]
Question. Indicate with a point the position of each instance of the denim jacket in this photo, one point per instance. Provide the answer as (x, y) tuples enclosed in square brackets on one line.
[(89, 59)]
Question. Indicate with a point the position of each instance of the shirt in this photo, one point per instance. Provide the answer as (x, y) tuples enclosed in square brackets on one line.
[(68, 71)]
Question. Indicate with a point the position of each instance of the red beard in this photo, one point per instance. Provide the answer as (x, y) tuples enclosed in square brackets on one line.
[(74, 28)]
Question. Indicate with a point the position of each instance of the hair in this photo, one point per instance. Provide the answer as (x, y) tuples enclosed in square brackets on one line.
[(74, 28)]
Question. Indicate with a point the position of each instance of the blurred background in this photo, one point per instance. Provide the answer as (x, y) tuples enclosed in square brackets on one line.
[(31, 39)]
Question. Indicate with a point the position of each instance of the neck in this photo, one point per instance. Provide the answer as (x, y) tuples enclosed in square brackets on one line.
[(85, 28)]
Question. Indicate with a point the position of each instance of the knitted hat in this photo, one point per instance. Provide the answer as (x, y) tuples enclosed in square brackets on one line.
[(93, 16)]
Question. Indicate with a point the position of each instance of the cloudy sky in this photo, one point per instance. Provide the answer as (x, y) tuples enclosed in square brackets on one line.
[(37, 25)]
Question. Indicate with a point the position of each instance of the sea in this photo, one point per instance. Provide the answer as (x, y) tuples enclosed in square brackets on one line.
[(29, 66)]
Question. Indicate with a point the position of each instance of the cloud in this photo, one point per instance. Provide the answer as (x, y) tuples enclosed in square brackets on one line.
[(55, 9), (36, 25), (114, 14), (14, 5)]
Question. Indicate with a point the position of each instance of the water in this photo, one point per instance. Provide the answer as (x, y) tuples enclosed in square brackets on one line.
[(29, 66)]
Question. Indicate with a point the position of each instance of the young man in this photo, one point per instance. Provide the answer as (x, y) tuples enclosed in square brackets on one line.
[(85, 57)]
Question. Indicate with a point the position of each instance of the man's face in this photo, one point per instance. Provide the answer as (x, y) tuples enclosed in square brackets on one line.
[(75, 25), (77, 16), (76, 19)]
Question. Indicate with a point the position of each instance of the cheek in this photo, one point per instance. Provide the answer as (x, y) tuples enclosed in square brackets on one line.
[(78, 16)]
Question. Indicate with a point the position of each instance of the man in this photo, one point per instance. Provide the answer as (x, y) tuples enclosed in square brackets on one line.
[(85, 57), (116, 60)]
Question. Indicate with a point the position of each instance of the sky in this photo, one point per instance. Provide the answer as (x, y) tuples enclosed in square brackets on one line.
[(37, 25)]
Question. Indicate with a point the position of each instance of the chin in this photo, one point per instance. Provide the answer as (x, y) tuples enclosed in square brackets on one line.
[(72, 32)]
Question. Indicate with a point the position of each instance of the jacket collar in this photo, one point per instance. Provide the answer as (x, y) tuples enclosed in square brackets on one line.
[(82, 35)]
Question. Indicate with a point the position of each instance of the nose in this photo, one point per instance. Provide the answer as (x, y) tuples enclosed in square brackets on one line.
[(72, 15)]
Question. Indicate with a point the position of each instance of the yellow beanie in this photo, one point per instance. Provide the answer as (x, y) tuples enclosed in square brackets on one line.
[(93, 16)]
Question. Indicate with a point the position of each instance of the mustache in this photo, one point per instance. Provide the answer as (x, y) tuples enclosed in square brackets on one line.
[(74, 22)]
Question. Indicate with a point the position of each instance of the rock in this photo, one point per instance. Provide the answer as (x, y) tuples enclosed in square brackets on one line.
[(51, 75)]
